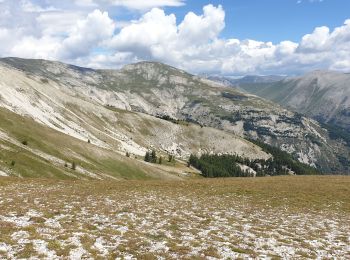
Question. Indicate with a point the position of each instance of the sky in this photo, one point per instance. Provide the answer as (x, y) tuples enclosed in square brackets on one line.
[(227, 37)]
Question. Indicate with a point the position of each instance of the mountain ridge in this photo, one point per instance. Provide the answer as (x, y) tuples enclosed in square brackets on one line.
[(90, 103), (321, 94)]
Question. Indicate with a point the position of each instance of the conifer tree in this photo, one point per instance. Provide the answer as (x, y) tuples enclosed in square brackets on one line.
[(154, 156), (147, 157), (170, 158)]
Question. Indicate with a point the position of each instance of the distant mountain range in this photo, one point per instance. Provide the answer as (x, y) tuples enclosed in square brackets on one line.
[(144, 106), (323, 95), (250, 79)]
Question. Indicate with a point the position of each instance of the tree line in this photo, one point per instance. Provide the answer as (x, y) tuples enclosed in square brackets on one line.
[(282, 163), (152, 157), (282, 158), (213, 166)]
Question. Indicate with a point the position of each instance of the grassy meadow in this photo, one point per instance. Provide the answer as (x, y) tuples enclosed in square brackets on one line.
[(272, 217)]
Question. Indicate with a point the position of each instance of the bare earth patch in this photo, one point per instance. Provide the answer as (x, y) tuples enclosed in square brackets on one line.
[(279, 217)]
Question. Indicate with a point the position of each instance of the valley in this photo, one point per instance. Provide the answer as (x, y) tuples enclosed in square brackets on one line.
[(321, 94)]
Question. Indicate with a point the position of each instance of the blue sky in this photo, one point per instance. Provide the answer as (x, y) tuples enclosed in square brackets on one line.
[(230, 37), (268, 20), (278, 20)]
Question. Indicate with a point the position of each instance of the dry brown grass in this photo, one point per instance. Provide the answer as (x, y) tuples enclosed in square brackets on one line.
[(296, 216)]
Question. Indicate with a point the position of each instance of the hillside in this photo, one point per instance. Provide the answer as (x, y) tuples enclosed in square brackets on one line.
[(323, 95), (152, 105), (29, 149), (60, 127)]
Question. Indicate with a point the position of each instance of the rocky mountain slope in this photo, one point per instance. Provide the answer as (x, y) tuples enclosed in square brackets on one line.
[(65, 122), (323, 95), (149, 104), (30, 149)]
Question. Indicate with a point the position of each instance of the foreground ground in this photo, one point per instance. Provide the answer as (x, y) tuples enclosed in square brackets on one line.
[(277, 217)]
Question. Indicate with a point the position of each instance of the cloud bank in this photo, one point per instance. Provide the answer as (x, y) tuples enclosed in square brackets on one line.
[(83, 33)]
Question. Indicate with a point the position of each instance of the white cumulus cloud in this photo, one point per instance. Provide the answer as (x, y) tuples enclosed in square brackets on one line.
[(142, 4), (152, 30), (202, 28), (131, 4), (89, 36)]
